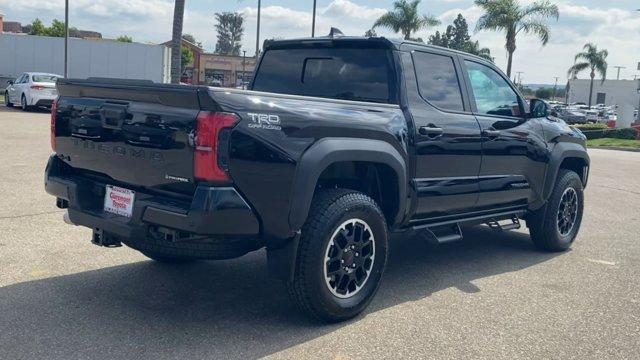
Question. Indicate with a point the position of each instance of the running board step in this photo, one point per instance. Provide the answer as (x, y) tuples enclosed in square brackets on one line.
[(505, 224), (443, 233)]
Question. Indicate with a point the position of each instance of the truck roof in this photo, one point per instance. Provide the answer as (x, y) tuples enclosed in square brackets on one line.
[(380, 41)]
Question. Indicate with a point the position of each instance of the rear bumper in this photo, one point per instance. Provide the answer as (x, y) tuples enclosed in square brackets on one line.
[(44, 102), (41, 99), (213, 211)]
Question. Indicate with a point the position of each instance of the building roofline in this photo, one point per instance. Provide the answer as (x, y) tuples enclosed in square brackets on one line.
[(168, 43)]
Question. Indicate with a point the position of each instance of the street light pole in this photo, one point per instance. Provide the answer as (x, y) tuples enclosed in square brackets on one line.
[(619, 67), (313, 21), (555, 86), (258, 31), (66, 38)]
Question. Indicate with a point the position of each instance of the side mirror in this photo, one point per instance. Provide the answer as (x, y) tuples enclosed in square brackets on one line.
[(10, 82), (538, 108)]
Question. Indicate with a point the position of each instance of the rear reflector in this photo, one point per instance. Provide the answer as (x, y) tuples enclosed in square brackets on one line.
[(207, 142), (54, 110)]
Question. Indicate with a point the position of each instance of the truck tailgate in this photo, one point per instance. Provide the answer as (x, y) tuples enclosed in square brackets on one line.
[(134, 134)]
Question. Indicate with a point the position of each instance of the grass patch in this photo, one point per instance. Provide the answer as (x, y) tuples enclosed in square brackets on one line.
[(614, 142)]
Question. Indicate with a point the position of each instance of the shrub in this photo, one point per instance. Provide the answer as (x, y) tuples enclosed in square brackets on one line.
[(593, 134), (590, 126), (626, 133)]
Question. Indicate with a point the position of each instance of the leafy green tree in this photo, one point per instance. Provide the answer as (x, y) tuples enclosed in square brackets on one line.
[(57, 29), (592, 59), (544, 93), (457, 37), (405, 19), (370, 33), (439, 39), (230, 28), (512, 18), (37, 28), (124, 39), (526, 91), (186, 58)]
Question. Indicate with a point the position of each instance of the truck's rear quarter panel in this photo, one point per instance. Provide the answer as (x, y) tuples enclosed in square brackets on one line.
[(274, 132)]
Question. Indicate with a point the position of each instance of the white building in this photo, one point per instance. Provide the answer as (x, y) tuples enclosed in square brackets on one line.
[(87, 58), (610, 92)]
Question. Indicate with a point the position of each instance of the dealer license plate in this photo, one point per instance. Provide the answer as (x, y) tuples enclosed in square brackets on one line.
[(119, 201)]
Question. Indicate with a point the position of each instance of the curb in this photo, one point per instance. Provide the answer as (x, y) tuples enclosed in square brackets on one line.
[(619, 148)]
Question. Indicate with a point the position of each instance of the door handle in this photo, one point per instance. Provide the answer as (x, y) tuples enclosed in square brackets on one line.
[(431, 131), (491, 133)]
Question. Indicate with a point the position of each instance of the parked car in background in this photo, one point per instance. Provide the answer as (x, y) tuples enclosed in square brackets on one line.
[(572, 116), (592, 116), (31, 89)]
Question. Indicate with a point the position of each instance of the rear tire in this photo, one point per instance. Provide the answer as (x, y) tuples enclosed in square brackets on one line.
[(7, 101), (341, 257), (23, 103), (555, 226)]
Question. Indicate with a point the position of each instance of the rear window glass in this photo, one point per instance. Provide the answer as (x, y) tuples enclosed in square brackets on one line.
[(438, 80), (337, 73), (44, 78)]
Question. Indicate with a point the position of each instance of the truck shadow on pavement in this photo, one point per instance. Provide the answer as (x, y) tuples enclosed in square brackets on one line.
[(222, 309)]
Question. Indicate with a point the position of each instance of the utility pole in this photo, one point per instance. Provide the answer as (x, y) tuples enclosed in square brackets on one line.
[(66, 38), (555, 86), (520, 77), (258, 30), (313, 21), (244, 61), (619, 67)]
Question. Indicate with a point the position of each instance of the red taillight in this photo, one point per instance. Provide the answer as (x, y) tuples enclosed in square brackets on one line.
[(206, 163), (54, 111), (37, 87)]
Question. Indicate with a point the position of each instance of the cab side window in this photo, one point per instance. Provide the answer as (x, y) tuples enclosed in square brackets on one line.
[(493, 94), (438, 81)]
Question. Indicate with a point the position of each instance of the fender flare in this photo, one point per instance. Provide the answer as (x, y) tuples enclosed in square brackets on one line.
[(561, 151), (328, 151)]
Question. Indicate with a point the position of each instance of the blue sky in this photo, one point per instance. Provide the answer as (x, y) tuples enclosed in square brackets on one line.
[(610, 24)]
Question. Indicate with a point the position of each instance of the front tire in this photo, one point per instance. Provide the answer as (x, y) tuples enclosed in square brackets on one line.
[(555, 226), (341, 257), (7, 100)]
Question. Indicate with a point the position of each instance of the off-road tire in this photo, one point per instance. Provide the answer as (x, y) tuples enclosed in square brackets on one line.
[(543, 223), (308, 289)]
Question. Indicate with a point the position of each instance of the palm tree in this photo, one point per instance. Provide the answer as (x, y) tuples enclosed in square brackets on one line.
[(591, 59), (176, 42), (509, 16), (405, 18)]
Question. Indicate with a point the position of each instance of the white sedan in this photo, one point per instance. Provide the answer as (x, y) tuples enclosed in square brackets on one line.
[(31, 89)]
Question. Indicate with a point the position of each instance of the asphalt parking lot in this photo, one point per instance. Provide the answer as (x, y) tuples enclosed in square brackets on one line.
[(491, 295)]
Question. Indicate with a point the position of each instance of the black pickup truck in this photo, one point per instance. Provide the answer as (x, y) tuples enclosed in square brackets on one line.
[(339, 143)]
